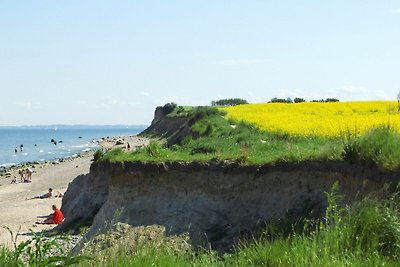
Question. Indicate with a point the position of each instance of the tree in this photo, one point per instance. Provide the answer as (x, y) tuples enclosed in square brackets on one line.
[(331, 100), (280, 100), (168, 108), (398, 101), (298, 100), (229, 102)]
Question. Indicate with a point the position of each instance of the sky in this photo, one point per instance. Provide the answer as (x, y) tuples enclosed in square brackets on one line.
[(112, 62)]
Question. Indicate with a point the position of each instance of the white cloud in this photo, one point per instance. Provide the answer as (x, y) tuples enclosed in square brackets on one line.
[(353, 89), (382, 95), (81, 102), (233, 62), (179, 100), (220, 96), (145, 94), (395, 11), (105, 102), (108, 102), (27, 105), (291, 93)]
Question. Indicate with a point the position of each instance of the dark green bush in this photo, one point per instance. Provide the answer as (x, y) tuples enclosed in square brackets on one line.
[(168, 108), (280, 100), (298, 100), (98, 155), (200, 113), (229, 102), (203, 150)]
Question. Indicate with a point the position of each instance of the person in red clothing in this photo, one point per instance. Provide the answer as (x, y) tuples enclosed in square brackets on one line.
[(56, 218)]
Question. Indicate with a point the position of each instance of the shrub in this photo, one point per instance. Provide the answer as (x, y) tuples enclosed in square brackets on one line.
[(199, 113), (202, 150), (298, 100), (180, 110), (38, 251), (155, 149), (229, 102), (281, 100), (331, 100), (98, 155), (168, 108), (379, 146)]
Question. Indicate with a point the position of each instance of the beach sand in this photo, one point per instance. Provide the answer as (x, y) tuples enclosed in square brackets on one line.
[(20, 215)]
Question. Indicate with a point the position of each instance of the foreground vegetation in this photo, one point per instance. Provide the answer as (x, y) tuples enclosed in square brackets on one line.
[(365, 234)]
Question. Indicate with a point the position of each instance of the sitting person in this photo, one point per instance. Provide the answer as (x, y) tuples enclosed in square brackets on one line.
[(47, 195), (14, 180), (56, 218)]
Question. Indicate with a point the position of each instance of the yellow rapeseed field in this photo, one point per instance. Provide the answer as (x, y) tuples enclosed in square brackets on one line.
[(318, 119)]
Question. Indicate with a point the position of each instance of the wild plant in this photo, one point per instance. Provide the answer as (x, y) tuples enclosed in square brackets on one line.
[(40, 251)]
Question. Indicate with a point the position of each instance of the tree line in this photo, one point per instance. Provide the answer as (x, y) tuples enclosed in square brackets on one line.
[(239, 101)]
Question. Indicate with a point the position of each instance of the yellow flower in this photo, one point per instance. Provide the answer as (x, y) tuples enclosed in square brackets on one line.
[(318, 119)]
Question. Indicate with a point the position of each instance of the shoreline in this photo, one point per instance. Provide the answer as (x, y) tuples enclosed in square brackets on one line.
[(20, 214), (105, 143), (10, 171)]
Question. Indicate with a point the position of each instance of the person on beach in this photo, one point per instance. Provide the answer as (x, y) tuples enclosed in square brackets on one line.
[(128, 146), (56, 218), (22, 174), (47, 195), (28, 175), (21, 147), (16, 150)]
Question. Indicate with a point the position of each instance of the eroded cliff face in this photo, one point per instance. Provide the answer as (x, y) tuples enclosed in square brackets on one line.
[(173, 129), (214, 202)]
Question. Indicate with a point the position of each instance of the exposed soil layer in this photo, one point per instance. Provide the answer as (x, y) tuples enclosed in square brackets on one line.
[(214, 202)]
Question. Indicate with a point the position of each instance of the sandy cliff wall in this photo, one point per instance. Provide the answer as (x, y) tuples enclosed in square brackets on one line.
[(213, 202)]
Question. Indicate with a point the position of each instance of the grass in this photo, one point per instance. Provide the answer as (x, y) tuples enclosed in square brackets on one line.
[(39, 251), (379, 146), (215, 138)]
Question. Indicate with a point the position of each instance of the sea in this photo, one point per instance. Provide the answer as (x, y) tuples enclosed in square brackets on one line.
[(46, 143)]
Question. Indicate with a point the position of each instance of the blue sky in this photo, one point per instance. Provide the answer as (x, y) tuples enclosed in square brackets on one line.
[(113, 62)]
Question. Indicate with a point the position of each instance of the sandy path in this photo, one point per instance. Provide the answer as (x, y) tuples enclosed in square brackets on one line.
[(16, 212)]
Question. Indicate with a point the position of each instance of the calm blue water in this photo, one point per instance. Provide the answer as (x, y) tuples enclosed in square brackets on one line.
[(75, 139)]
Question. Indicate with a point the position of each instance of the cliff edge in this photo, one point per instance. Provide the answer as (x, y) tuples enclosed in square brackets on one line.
[(215, 203)]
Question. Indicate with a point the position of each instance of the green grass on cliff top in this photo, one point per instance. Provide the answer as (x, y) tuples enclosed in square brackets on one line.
[(215, 138), (220, 139)]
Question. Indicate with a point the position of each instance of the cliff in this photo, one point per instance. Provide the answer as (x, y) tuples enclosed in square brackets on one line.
[(172, 129), (215, 202)]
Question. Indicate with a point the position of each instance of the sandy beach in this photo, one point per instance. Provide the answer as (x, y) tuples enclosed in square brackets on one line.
[(20, 214)]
